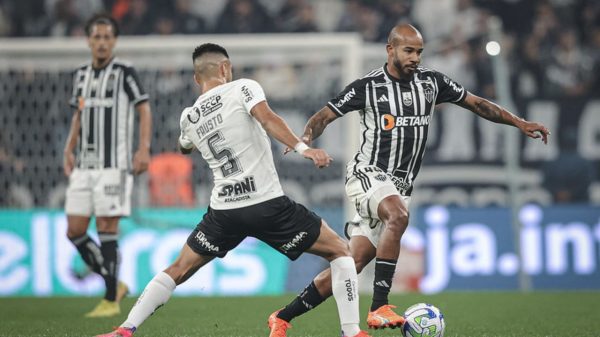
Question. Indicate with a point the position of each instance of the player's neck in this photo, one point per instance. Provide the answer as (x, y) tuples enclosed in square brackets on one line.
[(101, 63), (397, 75), (212, 83)]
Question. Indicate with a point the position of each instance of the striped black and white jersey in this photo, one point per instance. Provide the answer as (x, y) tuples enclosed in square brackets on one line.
[(107, 98), (394, 119)]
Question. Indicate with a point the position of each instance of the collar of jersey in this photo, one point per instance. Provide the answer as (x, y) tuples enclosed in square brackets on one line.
[(391, 77)]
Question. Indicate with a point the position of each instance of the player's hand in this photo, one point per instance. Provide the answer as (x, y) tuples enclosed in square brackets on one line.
[(68, 163), (319, 157), (535, 130), (306, 138), (141, 160)]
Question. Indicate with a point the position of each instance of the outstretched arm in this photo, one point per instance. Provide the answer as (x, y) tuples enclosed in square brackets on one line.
[(317, 124), (497, 114), (278, 129)]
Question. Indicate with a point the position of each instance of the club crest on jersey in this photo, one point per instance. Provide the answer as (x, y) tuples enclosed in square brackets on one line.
[(407, 98), (194, 115), (428, 93)]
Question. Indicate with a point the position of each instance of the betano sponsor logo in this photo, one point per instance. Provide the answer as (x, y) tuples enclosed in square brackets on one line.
[(388, 122)]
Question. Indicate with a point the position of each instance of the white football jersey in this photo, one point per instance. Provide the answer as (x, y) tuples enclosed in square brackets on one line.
[(233, 143)]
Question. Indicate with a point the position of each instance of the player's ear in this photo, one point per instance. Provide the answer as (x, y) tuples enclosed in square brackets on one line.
[(390, 49), (196, 79)]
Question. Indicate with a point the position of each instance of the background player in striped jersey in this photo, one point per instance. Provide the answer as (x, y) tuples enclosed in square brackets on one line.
[(395, 103), (106, 93), (229, 124)]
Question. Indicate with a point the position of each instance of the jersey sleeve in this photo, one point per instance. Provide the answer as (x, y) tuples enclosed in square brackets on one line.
[(351, 98), (184, 121), (133, 87), (251, 94), (448, 90)]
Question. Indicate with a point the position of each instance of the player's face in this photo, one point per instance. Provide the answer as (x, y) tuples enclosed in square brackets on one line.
[(102, 41), (405, 56)]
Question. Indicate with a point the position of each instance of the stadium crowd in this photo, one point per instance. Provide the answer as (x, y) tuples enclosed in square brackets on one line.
[(555, 42)]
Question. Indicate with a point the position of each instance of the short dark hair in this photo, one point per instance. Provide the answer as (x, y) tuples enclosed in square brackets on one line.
[(101, 19), (208, 48)]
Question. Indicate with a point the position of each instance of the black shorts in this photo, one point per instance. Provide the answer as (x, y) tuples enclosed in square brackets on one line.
[(288, 227)]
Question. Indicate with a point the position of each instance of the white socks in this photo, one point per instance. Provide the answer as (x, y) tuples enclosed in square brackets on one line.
[(344, 283), (157, 293)]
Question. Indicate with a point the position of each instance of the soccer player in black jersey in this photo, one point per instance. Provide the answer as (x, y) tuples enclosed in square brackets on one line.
[(106, 95), (395, 103)]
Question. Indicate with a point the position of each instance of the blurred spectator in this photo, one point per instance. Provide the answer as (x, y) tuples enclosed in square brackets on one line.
[(138, 20), (5, 23), (436, 17), (569, 69), (164, 25), (393, 12), (297, 16), (66, 21), (186, 22), (360, 17), (569, 176), (29, 18), (244, 16), (470, 21)]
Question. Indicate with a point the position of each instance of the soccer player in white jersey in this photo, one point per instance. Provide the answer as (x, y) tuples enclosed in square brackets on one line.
[(396, 103), (106, 94), (229, 124)]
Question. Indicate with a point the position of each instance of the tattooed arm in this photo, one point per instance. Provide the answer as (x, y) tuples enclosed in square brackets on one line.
[(497, 114), (317, 124)]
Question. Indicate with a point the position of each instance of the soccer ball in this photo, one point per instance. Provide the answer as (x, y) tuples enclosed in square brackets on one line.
[(423, 320)]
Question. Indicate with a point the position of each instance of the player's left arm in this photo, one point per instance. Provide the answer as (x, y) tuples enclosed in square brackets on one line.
[(141, 159), (497, 114)]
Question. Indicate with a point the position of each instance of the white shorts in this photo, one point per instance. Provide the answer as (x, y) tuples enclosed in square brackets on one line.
[(102, 192), (366, 188)]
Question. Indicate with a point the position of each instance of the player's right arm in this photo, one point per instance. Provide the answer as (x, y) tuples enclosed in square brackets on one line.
[(68, 156)]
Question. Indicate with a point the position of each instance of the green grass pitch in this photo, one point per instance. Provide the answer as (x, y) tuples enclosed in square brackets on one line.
[(500, 314)]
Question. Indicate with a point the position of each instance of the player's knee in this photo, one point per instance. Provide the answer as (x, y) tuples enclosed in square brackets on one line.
[(339, 249), (75, 232), (397, 221)]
